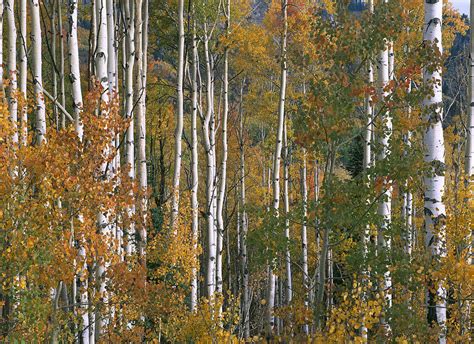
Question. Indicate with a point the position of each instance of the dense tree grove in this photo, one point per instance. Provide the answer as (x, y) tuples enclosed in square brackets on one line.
[(236, 171)]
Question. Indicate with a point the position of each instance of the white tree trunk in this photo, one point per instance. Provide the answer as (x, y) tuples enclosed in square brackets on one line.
[(277, 159), (223, 175), (129, 22), (111, 42), (12, 71), (62, 95), (385, 203), (179, 116), (435, 212), (141, 126), (286, 202), (304, 237), (75, 67), (194, 167), (23, 71), (207, 127), (37, 71)]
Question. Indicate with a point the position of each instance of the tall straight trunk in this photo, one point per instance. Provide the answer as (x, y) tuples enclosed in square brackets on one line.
[(100, 59), (23, 71), (141, 127), (286, 202), (407, 212), (223, 175), (179, 116), (194, 167), (435, 211), (207, 127), (111, 42), (74, 62), (12, 71), (37, 71), (304, 237), (77, 106), (62, 94), (277, 159), (385, 204), (129, 22), (244, 224)]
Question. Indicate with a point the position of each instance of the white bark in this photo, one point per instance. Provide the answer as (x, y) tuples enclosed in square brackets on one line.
[(179, 116), (385, 203), (12, 71), (304, 237), (207, 127), (75, 75), (277, 158), (111, 41), (141, 125), (194, 168), (435, 212), (223, 175), (129, 10), (23, 71), (286, 201), (37, 71)]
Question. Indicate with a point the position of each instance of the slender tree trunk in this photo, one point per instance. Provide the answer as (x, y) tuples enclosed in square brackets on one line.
[(37, 71), (223, 175), (2, 86), (210, 178), (12, 71), (141, 128), (75, 75), (62, 94), (100, 59), (23, 70), (385, 203), (277, 159), (195, 162), (435, 211), (244, 224), (286, 202), (304, 238), (129, 10), (179, 116)]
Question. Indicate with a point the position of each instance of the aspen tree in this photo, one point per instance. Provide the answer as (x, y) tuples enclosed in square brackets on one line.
[(195, 163), (304, 237), (179, 116), (141, 125), (207, 128), (23, 71), (37, 71), (62, 90), (434, 181), (223, 174), (12, 71), (286, 203), (129, 21), (75, 75), (100, 63), (385, 204), (277, 159)]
